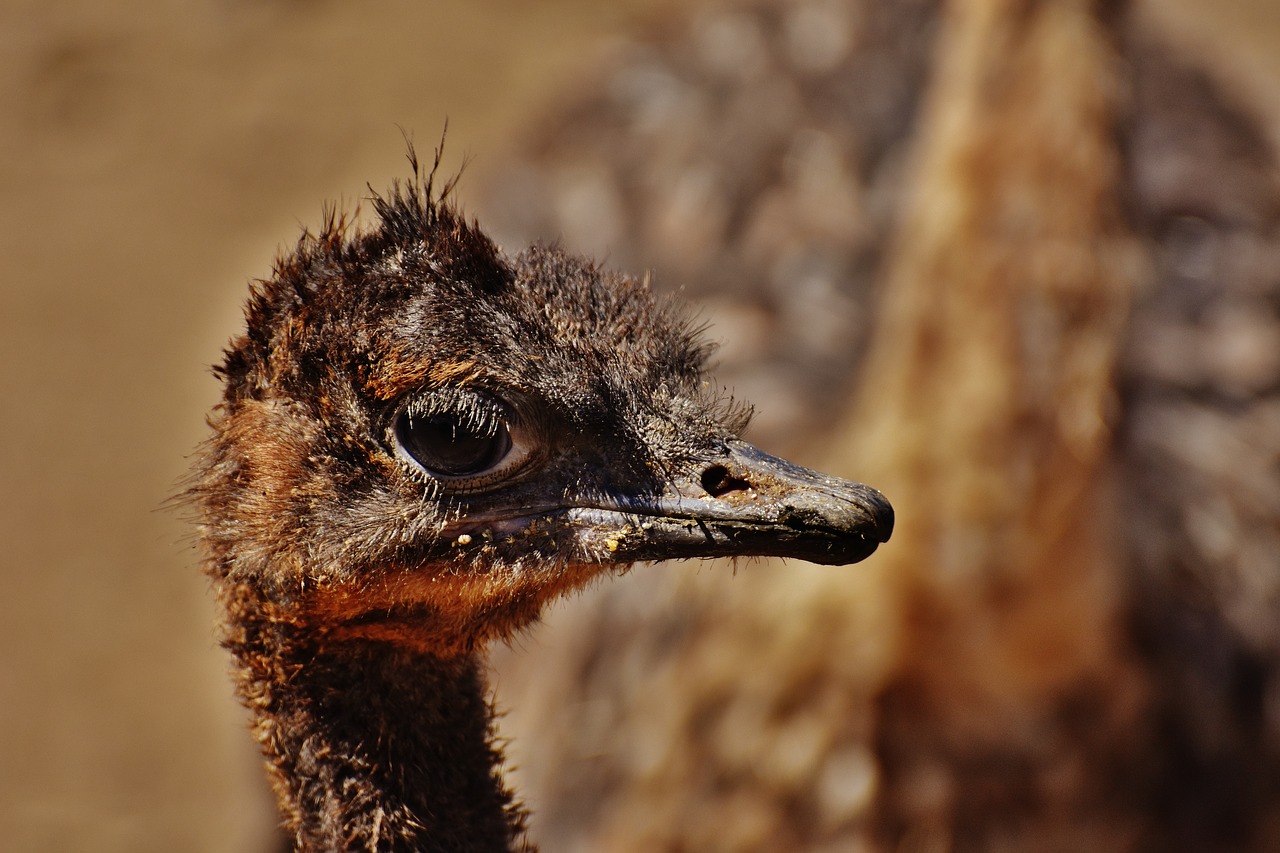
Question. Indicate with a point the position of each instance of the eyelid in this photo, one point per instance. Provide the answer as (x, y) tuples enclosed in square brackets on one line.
[(473, 408)]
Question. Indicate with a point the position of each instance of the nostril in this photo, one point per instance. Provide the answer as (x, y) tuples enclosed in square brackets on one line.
[(717, 481)]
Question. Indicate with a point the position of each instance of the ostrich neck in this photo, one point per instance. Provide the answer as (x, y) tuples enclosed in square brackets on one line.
[(372, 747)]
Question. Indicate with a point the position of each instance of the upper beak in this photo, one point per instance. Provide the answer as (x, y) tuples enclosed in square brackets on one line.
[(745, 503)]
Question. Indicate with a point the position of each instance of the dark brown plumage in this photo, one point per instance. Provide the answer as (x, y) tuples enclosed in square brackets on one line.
[(421, 442)]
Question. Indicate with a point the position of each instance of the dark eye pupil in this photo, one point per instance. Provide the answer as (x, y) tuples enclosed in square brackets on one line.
[(443, 444)]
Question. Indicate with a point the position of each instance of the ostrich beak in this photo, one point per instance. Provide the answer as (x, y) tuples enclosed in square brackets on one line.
[(744, 503)]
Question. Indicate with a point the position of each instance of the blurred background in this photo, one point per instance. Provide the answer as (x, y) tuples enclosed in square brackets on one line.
[(1016, 263)]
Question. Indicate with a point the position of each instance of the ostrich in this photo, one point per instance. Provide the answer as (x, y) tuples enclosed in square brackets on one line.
[(422, 441)]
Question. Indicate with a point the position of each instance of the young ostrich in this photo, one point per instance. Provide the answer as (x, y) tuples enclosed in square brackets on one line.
[(423, 441)]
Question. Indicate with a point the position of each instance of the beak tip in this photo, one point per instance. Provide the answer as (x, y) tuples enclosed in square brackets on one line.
[(882, 517)]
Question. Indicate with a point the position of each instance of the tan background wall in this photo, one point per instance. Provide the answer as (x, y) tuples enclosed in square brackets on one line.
[(152, 157)]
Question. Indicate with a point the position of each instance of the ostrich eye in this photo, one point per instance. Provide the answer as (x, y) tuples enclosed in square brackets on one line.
[(452, 446)]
